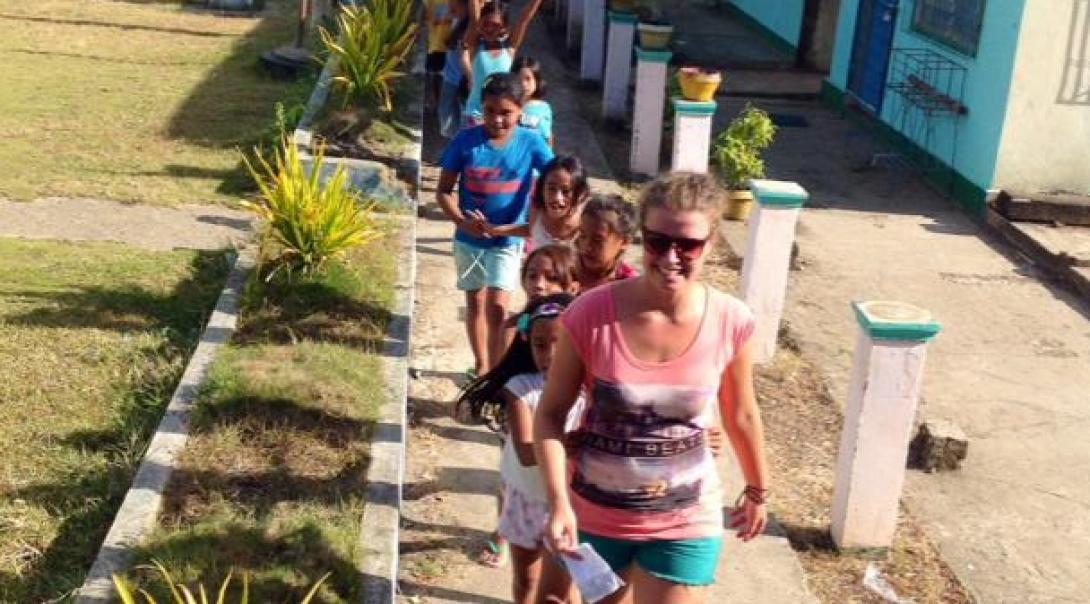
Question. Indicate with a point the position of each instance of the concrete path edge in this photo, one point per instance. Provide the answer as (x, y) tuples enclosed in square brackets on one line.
[(136, 518)]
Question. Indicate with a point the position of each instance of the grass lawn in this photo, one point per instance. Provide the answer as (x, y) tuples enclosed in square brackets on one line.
[(272, 480), (134, 101), (93, 338)]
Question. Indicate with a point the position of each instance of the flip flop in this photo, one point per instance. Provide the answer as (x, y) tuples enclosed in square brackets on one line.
[(496, 556)]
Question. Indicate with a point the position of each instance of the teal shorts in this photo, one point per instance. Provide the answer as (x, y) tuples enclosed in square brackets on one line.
[(492, 267), (682, 561)]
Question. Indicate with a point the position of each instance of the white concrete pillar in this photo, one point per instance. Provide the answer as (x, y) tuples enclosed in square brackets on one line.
[(622, 34), (593, 58), (768, 258), (692, 135), (575, 24), (882, 399), (647, 114)]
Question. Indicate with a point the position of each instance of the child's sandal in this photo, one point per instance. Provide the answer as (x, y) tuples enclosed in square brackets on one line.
[(495, 556)]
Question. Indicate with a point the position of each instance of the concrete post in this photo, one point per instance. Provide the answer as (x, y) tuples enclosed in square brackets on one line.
[(622, 33), (647, 115), (592, 60), (575, 24), (692, 135), (882, 398), (768, 258)]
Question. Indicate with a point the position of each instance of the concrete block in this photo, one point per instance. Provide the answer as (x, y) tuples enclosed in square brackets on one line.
[(1054, 208), (938, 445)]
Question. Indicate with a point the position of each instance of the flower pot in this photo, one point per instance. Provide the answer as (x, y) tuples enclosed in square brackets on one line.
[(622, 6), (739, 205), (654, 37), (698, 84)]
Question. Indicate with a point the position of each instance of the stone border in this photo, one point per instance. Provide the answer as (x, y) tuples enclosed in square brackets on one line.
[(369, 177), (1040, 255), (139, 512)]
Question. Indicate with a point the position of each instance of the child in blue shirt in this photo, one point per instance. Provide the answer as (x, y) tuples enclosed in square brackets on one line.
[(536, 113), (451, 96), (493, 165)]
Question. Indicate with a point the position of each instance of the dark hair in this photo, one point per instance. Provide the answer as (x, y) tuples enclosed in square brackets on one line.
[(615, 212), (502, 85), (579, 179), (496, 6), (563, 259), (528, 62), (481, 400), (454, 38)]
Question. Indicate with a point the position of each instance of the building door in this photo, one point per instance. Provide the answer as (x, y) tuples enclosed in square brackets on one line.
[(870, 51)]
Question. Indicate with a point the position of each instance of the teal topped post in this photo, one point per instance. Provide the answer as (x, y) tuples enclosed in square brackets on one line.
[(778, 193), (886, 320)]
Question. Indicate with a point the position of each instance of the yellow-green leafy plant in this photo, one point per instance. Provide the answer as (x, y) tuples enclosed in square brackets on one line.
[(374, 40), (181, 594), (308, 222), (737, 149)]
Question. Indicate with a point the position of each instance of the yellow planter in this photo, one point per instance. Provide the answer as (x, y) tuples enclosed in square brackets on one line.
[(622, 6), (739, 205), (654, 37), (698, 84)]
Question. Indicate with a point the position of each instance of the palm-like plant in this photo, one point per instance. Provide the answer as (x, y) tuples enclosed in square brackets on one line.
[(309, 221), (737, 149), (180, 594), (374, 41)]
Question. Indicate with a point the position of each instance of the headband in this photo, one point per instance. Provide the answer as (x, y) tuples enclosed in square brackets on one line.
[(545, 311)]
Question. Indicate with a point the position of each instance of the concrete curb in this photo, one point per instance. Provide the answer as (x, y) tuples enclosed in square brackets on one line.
[(138, 515), (1038, 253), (380, 536)]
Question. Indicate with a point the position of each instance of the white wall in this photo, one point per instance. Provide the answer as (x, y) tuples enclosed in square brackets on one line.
[(1045, 144)]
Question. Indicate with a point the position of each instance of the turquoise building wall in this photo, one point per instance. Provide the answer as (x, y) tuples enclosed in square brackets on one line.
[(783, 18), (987, 90)]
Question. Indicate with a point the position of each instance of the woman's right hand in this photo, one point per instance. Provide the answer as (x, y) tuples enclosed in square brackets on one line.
[(562, 532)]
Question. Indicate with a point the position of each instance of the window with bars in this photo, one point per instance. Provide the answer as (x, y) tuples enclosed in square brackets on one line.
[(952, 23)]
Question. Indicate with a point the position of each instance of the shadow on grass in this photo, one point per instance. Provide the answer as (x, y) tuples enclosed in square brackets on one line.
[(246, 549), (180, 313), (327, 309), (85, 499), (121, 26)]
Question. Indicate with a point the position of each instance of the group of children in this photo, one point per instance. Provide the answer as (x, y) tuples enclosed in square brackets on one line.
[(524, 217)]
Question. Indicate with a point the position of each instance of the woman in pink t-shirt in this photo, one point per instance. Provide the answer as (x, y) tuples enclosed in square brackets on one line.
[(656, 355)]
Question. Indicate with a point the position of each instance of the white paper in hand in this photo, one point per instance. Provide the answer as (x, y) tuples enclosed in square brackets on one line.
[(594, 578)]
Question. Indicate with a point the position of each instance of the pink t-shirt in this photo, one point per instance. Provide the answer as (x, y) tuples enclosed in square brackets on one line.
[(644, 470)]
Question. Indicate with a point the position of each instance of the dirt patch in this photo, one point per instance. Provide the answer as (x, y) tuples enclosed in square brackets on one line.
[(802, 431)]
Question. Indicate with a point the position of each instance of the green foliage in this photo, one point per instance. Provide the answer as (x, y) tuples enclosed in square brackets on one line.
[(308, 222), (737, 149), (375, 40), (181, 594)]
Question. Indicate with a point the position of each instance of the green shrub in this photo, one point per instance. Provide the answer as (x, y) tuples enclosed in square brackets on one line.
[(737, 149), (375, 39), (180, 594), (308, 222)]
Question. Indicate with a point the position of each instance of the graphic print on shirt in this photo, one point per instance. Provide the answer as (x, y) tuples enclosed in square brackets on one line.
[(643, 449)]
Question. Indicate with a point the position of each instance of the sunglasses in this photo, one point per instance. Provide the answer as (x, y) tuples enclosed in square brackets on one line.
[(660, 244)]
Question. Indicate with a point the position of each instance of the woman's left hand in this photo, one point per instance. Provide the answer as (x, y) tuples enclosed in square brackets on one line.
[(750, 519)]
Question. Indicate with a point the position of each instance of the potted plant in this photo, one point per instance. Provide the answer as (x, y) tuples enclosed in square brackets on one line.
[(698, 83), (654, 29), (737, 151)]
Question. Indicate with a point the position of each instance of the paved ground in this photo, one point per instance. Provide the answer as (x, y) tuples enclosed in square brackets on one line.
[(452, 469), (1010, 366), (150, 227)]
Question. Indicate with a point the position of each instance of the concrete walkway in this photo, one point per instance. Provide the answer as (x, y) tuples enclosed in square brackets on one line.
[(1012, 365), (191, 226), (452, 473)]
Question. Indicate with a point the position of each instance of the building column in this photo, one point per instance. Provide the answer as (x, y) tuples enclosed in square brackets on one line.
[(622, 33), (768, 258), (647, 114), (692, 135), (592, 60), (575, 24), (885, 386)]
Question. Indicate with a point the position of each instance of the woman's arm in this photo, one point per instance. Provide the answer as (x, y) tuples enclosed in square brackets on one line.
[(561, 391), (742, 420), (520, 424), (519, 33), (469, 40)]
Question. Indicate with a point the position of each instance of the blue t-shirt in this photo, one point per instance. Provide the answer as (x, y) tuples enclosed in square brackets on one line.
[(538, 115), (497, 182), (452, 68)]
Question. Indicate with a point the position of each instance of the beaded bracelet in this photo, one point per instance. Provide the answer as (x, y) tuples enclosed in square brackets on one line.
[(753, 494)]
